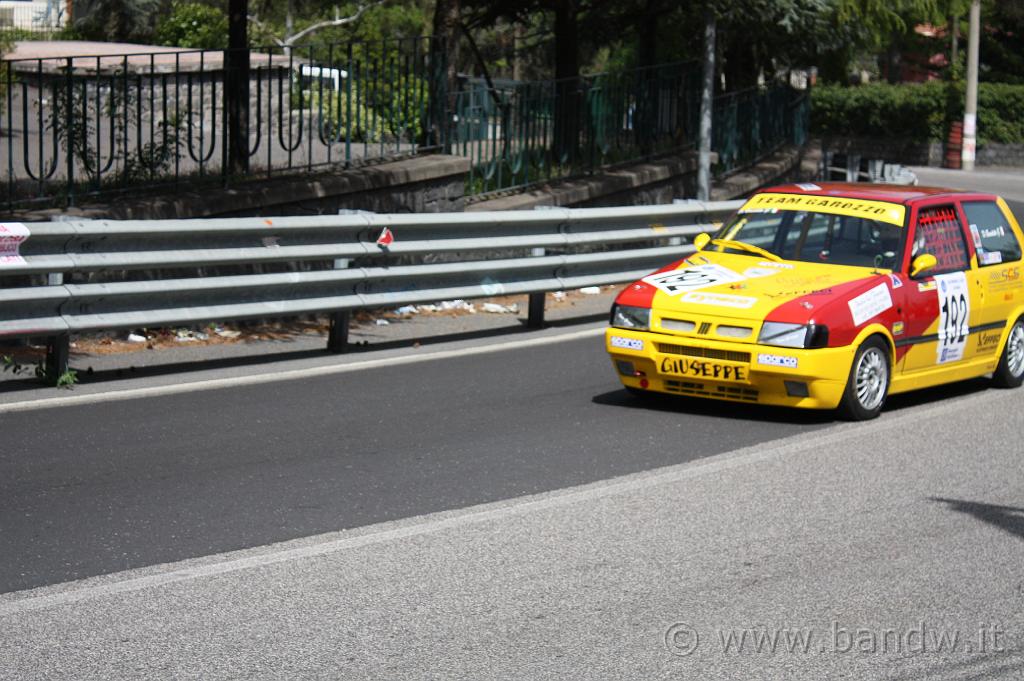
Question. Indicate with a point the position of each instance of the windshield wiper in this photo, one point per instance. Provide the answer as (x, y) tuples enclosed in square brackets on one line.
[(749, 248)]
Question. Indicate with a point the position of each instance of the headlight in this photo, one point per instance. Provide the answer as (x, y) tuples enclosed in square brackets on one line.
[(627, 317), (793, 335)]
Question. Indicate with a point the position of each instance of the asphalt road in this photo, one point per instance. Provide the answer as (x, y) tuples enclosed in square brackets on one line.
[(106, 487), (1007, 182), (895, 548), (509, 515)]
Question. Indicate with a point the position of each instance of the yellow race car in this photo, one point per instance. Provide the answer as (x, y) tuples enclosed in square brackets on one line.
[(831, 296)]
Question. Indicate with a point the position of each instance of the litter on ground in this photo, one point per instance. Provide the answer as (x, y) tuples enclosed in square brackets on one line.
[(495, 308)]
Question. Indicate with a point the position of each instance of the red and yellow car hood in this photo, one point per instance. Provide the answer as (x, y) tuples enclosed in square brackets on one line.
[(722, 285)]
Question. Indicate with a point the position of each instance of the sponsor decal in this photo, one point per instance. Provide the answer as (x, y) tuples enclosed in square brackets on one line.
[(703, 369), (896, 281), (954, 316), (990, 257), (775, 265), (758, 272), (870, 304), (692, 278), (897, 328), (1008, 277), (808, 187), (627, 343), (924, 286), (719, 300), (12, 236), (993, 233), (860, 208), (777, 361), (799, 292), (976, 237), (988, 340)]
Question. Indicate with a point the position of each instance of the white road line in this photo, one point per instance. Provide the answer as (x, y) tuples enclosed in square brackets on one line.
[(299, 549), (289, 375)]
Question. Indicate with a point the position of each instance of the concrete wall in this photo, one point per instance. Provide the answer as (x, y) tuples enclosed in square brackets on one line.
[(890, 150), (422, 184), (661, 181), (1000, 155), (649, 182), (436, 184)]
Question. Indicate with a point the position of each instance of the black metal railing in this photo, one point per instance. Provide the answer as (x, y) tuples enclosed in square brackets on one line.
[(76, 127), (518, 134), (86, 125), (750, 123)]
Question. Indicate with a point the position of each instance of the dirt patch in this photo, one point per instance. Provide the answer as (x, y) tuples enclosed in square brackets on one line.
[(138, 340)]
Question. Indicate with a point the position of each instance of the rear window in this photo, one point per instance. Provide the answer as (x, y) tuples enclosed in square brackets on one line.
[(994, 239)]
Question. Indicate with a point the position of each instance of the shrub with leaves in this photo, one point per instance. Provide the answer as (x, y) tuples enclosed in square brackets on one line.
[(338, 119), (194, 25), (917, 112)]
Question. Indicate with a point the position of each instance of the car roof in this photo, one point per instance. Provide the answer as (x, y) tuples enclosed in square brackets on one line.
[(893, 193)]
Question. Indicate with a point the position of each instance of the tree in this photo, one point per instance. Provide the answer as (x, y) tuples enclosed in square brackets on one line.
[(117, 20), (291, 38), (447, 33), (236, 67), (193, 24)]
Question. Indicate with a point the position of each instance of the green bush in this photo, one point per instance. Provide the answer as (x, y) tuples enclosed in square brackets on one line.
[(191, 24), (332, 113), (918, 112), (1001, 113)]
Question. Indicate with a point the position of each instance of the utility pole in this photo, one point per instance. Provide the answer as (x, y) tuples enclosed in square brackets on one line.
[(706, 103), (971, 105)]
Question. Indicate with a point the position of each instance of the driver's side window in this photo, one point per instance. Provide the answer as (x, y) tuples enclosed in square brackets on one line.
[(940, 233)]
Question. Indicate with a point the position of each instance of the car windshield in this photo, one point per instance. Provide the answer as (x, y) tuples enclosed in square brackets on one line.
[(810, 236)]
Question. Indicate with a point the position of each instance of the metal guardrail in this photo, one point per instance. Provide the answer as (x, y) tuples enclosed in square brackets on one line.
[(433, 257)]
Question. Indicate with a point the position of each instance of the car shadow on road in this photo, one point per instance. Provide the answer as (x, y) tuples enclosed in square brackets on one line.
[(759, 412), (1007, 518), (712, 408), (937, 394)]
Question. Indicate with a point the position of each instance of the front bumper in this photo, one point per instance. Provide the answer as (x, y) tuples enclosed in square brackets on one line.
[(737, 372)]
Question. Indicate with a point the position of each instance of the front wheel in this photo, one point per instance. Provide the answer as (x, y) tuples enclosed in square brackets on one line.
[(868, 384), (1010, 371)]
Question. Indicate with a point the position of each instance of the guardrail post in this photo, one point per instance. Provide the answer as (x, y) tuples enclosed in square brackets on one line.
[(337, 337), (535, 308), (58, 348), (58, 352)]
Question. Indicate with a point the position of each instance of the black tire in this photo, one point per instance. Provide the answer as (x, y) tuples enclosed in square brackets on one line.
[(1010, 371), (868, 383)]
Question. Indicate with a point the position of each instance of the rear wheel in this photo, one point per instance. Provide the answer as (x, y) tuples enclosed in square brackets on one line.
[(1010, 371), (868, 384)]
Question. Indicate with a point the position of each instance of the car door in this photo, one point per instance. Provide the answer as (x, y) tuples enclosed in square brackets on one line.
[(940, 305), (999, 271)]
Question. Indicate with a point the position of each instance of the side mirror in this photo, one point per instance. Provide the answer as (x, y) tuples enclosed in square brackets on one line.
[(701, 240), (922, 263)]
